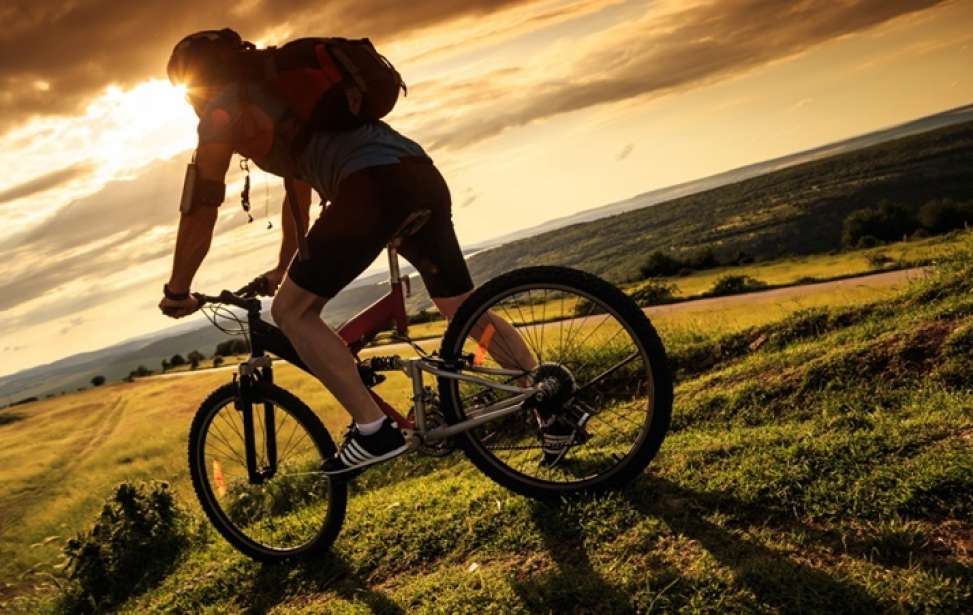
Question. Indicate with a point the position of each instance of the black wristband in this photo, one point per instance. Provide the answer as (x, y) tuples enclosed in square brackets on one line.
[(174, 296)]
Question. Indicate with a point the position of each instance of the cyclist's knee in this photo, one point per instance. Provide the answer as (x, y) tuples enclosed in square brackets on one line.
[(292, 304), (281, 312)]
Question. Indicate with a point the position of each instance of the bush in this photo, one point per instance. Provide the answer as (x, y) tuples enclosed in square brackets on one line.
[(139, 372), (177, 360), (734, 285), (217, 361), (165, 365), (659, 264), (654, 293), (945, 215), (136, 538), (232, 347), (889, 222), (701, 259), (195, 357), (97, 381), (879, 260), (423, 316), (868, 241)]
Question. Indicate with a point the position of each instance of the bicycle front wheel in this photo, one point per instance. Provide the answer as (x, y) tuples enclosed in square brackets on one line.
[(280, 506), (586, 339)]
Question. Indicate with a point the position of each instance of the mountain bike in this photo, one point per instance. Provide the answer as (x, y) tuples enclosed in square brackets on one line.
[(598, 375)]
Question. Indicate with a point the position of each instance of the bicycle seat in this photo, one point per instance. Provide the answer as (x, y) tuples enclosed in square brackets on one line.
[(412, 224)]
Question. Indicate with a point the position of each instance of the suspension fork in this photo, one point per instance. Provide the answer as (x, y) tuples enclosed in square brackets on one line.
[(270, 426), (244, 404)]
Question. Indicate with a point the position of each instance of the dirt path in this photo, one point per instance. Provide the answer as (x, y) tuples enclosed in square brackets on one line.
[(873, 280)]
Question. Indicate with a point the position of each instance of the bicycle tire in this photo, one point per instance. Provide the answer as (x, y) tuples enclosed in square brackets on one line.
[(639, 327), (337, 491)]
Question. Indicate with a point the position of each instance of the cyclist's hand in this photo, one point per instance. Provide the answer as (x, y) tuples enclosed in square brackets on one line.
[(177, 308), (264, 285)]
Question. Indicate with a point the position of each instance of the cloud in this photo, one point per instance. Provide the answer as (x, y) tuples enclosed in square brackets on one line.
[(671, 48), (86, 252), (43, 183), (55, 56), (626, 151), (72, 324)]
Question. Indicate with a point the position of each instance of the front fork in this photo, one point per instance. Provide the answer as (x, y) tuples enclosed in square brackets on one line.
[(257, 370)]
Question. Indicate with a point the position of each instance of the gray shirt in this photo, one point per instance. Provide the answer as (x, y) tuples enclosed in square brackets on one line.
[(255, 124), (330, 156)]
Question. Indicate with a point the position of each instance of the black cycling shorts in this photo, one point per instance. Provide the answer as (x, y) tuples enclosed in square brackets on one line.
[(371, 206)]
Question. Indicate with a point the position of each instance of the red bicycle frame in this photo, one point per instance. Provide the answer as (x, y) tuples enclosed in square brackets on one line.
[(364, 326)]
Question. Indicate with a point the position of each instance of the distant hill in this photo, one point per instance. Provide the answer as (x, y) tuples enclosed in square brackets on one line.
[(789, 205), (798, 209), (924, 124)]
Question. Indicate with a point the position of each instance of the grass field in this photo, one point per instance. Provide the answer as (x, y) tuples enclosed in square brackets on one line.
[(830, 467), (802, 269)]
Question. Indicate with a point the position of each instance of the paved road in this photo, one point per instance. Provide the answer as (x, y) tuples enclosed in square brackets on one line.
[(874, 280)]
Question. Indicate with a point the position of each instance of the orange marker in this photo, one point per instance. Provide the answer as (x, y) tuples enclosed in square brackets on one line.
[(218, 478), (481, 349)]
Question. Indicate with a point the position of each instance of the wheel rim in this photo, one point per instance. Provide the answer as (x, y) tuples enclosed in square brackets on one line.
[(573, 329), (288, 512)]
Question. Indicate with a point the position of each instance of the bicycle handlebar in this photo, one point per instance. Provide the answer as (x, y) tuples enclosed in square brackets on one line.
[(227, 297)]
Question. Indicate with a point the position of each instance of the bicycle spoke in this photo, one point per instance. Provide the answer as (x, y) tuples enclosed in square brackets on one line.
[(591, 347), (281, 511)]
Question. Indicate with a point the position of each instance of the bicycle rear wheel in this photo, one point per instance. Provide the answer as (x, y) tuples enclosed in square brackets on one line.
[(614, 400), (291, 509)]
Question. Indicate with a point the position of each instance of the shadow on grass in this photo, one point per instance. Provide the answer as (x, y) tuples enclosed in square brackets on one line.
[(274, 584), (574, 586), (773, 578)]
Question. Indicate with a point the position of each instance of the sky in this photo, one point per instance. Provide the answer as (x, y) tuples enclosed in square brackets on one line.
[(532, 109)]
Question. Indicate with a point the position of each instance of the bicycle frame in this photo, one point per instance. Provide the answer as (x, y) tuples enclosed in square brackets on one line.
[(357, 333)]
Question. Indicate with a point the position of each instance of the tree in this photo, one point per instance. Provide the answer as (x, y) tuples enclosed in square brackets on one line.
[(194, 358), (177, 360), (702, 259), (659, 264), (217, 361), (165, 365), (232, 347), (97, 381), (944, 215), (889, 222)]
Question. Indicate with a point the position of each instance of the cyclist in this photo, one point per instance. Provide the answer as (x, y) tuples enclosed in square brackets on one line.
[(373, 177)]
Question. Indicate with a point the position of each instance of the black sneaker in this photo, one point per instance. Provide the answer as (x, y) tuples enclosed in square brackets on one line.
[(560, 433), (358, 451)]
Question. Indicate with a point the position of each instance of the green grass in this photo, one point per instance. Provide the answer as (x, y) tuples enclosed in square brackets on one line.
[(819, 461)]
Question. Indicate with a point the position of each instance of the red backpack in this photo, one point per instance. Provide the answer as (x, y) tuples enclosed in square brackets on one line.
[(328, 83)]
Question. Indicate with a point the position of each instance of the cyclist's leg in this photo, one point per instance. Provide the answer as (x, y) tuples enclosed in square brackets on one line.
[(500, 339), (298, 313), (343, 241), (435, 252)]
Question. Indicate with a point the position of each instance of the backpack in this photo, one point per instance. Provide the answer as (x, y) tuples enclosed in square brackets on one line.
[(327, 83)]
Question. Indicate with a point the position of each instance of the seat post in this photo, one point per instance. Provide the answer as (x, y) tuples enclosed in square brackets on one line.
[(393, 264)]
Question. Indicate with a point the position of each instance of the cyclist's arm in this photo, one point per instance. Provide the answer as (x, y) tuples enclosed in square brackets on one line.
[(288, 245), (196, 226)]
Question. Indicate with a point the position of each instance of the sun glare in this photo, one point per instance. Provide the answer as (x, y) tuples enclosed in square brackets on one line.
[(148, 122)]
